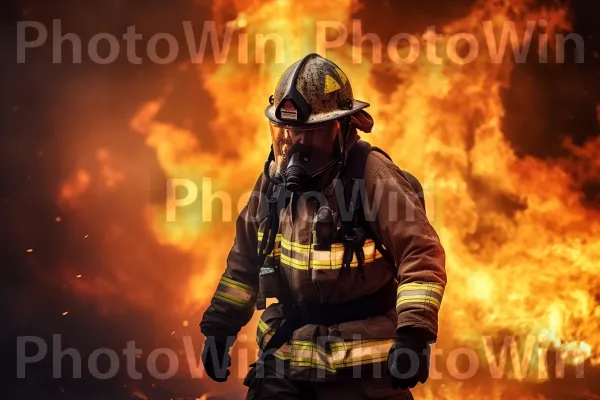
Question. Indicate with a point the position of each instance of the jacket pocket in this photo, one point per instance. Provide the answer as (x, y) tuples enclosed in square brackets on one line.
[(269, 278)]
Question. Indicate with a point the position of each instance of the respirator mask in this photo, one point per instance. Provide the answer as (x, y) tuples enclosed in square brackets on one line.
[(308, 157)]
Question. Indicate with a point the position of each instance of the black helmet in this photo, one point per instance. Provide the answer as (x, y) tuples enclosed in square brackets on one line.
[(311, 116), (311, 91)]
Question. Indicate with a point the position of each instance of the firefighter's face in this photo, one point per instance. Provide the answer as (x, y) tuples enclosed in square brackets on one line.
[(313, 145)]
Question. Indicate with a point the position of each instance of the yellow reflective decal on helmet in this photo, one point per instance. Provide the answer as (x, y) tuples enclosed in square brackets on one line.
[(342, 75), (331, 85)]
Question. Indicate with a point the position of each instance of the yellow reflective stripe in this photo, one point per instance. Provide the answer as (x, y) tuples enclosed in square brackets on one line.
[(340, 346), (338, 254), (307, 248), (292, 262), (343, 355), (275, 253), (242, 292), (376, 352), (364, 360), (323, 264), (234, 292), (344, 346), (311, 347), (320, 259), (433, 287), (319, 264), (297, 247), (277, 237), (418, 299), (336, 346), (229, 299), (357, 344), (424, 293), (276, 247), (238, 285), (261, 234), (262, 325), (311, 362), (360, 344), (303, 343), (374, 349)]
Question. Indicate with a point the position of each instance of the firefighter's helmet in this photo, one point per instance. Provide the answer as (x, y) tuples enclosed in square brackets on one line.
[(313, 90)]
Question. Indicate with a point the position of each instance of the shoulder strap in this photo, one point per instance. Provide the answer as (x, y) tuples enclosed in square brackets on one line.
[(353, 175), (355, 171), (356, 168)]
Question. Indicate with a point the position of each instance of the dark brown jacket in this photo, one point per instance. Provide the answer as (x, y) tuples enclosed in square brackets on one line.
[(318, 352)]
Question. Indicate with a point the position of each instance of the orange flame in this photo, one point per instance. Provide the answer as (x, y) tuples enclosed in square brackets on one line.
[(522, 248)]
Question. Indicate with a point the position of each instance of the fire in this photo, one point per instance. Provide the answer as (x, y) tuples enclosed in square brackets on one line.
[(75, 187), (521, 244), (110, 175)]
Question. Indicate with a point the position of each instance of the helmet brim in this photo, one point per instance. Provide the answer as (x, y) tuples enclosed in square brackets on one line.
[(317, 119)]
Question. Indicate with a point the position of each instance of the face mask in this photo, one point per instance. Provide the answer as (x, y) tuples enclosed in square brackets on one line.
[(304, 156), (304, 174)]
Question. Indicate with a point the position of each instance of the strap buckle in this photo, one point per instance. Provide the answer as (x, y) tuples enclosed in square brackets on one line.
[(275, 192), (353, 244)]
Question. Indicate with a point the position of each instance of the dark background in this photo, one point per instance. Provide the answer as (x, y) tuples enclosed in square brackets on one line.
[(42, 104)]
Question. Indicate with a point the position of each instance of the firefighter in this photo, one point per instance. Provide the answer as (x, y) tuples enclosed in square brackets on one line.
[(337, 237)]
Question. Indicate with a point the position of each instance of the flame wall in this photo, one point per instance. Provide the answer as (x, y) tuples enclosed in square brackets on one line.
[(519, 233)]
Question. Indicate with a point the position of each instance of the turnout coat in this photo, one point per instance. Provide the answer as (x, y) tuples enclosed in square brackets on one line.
[(306, 275)]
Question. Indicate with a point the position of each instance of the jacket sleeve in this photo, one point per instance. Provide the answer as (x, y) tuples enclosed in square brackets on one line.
[(398, 219), (234, 301)]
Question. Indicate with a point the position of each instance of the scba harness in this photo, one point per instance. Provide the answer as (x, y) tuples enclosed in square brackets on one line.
[(353, 233), (355, 229)]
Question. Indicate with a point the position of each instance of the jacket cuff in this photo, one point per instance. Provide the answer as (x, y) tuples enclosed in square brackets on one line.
[(426, 323)]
